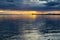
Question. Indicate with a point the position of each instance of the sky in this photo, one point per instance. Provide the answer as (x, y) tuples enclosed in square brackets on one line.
[(30, 5)]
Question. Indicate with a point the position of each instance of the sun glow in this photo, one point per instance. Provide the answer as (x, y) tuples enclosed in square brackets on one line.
[(19, 14), (29, 15)]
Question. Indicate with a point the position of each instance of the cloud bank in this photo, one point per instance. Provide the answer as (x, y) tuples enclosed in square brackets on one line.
[(30, 4)]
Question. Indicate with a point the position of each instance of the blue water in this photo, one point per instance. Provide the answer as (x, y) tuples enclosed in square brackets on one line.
[(39, 29)]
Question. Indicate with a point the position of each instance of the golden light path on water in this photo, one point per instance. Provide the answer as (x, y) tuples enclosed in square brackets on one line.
[(22, 15)]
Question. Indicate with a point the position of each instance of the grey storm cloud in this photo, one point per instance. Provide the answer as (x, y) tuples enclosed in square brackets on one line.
[(29, 4)]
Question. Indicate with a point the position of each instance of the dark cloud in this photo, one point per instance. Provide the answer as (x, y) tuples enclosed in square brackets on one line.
[(25, 5)]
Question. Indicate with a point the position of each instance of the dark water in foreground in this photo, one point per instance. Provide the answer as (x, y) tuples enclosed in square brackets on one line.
[(40, 29)]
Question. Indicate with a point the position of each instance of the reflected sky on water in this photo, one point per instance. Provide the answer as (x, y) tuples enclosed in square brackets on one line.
[(41, 28)]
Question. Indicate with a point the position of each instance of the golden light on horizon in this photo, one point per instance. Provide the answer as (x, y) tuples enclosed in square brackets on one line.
[(29, 15), (19, 14)]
